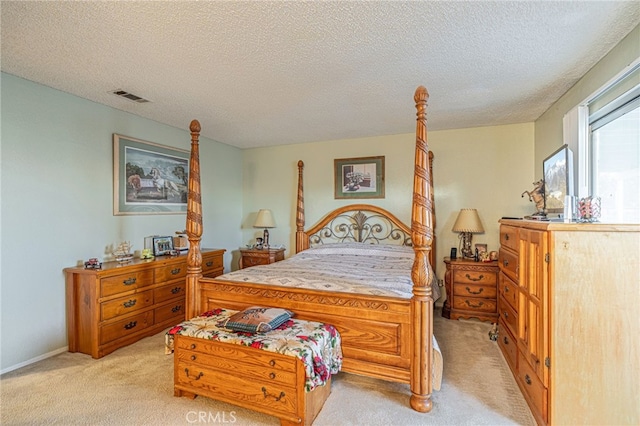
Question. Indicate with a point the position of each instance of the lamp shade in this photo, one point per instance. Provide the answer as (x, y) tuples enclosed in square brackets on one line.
[(264, 219), (468, 221)]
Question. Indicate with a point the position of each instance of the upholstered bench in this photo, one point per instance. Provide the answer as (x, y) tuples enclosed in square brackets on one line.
[(285, 372)]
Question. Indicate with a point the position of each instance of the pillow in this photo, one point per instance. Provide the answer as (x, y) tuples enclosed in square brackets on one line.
[(256, 319)]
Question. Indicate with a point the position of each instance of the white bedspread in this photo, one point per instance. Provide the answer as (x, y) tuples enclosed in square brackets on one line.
[(375, 269)]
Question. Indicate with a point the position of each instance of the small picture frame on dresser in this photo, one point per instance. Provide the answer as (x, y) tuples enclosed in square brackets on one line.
[(162, 246), (481, 248)]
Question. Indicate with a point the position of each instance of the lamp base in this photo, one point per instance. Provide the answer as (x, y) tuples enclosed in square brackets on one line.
[(465, 242), (265, 242)]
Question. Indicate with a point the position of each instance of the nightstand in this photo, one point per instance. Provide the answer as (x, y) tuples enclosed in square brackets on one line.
[(471, 290), (253, 257)]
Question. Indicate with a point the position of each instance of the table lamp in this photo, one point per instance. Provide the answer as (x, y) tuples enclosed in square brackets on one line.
[(265, 220), (467, 223)]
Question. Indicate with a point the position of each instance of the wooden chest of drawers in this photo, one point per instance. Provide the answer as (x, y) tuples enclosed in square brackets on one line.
[(263, 381), (471, 290), (117, 305)]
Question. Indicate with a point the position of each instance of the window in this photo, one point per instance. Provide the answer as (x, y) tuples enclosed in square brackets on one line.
[(606, 131)]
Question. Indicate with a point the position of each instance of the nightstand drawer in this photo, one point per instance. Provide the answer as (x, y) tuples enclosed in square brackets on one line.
[(475, 277), (475, 304), (474, 290)]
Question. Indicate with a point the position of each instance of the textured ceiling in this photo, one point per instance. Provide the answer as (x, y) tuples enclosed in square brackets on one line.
[(258, 73)]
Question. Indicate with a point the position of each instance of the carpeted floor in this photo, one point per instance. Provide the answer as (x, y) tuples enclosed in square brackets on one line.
[(134, 386)]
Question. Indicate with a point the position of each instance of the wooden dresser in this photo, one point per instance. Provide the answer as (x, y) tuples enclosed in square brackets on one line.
[(568, 326), (253, 257), (471, 289), (117, 305)]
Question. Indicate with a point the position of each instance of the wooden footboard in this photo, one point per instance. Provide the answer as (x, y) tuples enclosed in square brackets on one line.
[(375, 331)]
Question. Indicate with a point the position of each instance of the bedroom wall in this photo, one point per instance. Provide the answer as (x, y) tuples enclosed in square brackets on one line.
[(56, 191), (486, 168), (548, 128)]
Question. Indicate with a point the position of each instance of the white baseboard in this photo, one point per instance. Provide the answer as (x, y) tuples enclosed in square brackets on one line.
[(36, 359)]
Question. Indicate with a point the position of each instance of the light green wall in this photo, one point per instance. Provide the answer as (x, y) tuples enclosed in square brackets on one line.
[(548, 128), (57, 207), (486, 168)]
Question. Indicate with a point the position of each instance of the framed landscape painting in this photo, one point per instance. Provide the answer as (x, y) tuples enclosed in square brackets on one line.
[(148, 178), (359, 177)]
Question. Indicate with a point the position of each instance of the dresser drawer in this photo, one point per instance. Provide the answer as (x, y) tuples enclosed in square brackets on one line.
[(508, 315), (474, 277), (508, 262), (212, 266), (475, 290), (125, 282), (171, 272), (533, 388), (475, 304), (168, 292), (125, 327), (508, 345), (509, 290), (125, 305), (173, 310), (509, 237)]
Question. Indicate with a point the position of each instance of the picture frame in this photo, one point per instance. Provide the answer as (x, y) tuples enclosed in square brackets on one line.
[(148, 178), (557, 171), (359, 177), (162, 245), (481, 248)]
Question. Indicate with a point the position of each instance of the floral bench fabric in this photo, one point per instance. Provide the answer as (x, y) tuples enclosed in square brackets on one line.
[(316, 344)]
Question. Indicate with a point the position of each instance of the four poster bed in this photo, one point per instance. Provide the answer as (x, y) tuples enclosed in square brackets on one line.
[(386, 334)]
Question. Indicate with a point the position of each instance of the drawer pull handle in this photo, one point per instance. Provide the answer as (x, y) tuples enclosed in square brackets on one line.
[(505, 340), (186, 370), (129, 281), (506, 237), (475, 292), (176, 308), (176, 290), (475, 279), (193, 357), (505, 263), (277, 398), (527, 379), (210, 263), (506, 289), (505, 314), (130, 303), (472, 305), (175, 271), (193, 346), (272, 375), (272, 362), (130, 325)]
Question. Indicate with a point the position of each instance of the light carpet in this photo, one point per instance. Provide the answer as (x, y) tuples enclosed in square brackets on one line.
[(134, 386)]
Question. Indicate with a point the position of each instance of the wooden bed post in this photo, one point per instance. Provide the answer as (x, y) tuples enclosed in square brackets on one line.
[(422, 236), (302, 243), (194, 227)]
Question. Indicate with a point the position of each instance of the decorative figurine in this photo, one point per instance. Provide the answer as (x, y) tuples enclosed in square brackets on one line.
[(536, 195), (146, 254), (123, 252), (93, 263)]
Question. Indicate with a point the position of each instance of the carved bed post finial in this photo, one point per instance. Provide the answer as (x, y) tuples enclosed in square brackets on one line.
[(194, 226), (302, 242), (421, 235)]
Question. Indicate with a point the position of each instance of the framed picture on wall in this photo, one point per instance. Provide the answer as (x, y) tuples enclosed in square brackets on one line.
[(359, 177), (148, 178)]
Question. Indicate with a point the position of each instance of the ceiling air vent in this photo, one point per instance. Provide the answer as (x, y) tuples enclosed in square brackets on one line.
[(130, 96)]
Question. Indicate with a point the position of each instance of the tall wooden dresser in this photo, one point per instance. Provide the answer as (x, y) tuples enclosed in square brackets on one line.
[(568, 302), (120, 304)]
